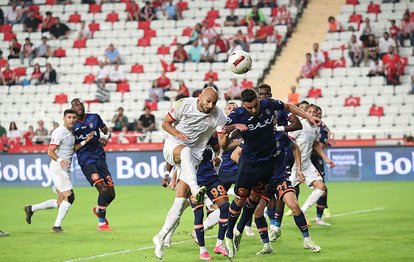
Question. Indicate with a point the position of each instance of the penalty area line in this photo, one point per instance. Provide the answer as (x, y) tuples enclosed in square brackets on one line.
[(188, 241)]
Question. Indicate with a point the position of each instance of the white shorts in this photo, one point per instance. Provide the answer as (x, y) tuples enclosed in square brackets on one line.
[(310, 172), (61, 178), (168, 151)]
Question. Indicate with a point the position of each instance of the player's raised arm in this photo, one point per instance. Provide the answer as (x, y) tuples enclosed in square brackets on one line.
[(319, 149), (299, 112), (294, 124)]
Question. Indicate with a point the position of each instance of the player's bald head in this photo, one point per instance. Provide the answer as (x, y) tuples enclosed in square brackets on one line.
[(207, 100), (209, 92)]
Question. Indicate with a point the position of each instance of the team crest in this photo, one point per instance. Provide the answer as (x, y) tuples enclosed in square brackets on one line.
[(268, 112), (91, 125), (208, 119)]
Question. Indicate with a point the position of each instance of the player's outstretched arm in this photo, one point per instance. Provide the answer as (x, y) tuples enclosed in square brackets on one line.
[(318, 147), (167, 126), (294, 124), (236, 154), (299, 112)]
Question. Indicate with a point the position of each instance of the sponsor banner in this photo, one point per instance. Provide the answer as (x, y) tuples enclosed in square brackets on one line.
[(147, 168)]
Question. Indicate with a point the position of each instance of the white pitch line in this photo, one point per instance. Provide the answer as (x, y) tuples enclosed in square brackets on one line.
[(186, 241)]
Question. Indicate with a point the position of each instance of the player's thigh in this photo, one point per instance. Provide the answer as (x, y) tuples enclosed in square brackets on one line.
[(291, 201), (283, 186), (91, 173), (61, 178), (104, 172), (182, 189), (172, 152), (311, 175), (216, 191)]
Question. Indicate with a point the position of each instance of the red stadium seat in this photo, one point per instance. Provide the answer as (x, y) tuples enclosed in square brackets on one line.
[(59, 52), (168, 67), (163, 50), (211, 74), (187, 31), (122, 87), (89, 79), (75, 18), (355, 18), (213, 14), (181, 6), (50, 2), (376, 111), (374, 9), (314, 92), (152, 105), (3, 62), (352, 2), (148, 33), (20, 71), (247, 83), (138, 69), (61, 98), (6, 28), (95, 8), (352, 101), (112, 17), (34, 8), (9, 36), (232, 4), (144, 25), (94, 26), (79, 43), (91, 61), (144, 41)]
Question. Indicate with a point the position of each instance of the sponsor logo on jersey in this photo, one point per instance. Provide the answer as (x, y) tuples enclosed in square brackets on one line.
[(91, 125)]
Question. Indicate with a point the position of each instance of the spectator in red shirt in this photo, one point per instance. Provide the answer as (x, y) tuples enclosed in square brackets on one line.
[(180, 55), (8, 77), (14, 48), (28, 136), (392, 64), (261, 33), (407, 28), (394, 30), (164, 82), (133, 11), (276, 38), (48, 21), (37, 75), (182, 91)]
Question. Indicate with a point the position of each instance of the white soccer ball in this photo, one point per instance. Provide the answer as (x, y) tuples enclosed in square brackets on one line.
[(239, 62)]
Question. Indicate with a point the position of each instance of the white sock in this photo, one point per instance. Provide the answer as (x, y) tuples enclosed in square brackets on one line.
[(171, 233), (202, 249), (51, 203), (63, 210), (219, 242), (188, 172), (212, 219), (173, 216), (312, 198)]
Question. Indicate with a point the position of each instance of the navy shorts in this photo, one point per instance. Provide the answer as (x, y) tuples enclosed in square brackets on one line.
[(96, 172), (253, 175), (215, 190), (278, 185), (227, 178)]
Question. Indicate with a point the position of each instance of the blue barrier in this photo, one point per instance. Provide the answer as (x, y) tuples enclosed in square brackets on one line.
[(146, 168)]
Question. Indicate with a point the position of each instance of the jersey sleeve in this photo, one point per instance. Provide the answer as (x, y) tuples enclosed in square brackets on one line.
[(176, 109), (275, 105), (56, 138), (100, 123), (221, 121)]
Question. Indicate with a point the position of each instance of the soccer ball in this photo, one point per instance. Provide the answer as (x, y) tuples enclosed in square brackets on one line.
[(239, 62)]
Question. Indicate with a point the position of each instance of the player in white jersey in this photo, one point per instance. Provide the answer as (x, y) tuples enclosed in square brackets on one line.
[(61, 149), (195, 120), (308, 139)]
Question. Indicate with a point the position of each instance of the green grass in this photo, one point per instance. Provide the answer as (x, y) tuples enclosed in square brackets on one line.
[(139, 211)]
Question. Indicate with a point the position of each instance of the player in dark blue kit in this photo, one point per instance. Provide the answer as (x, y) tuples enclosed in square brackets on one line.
[(325, 140), (254, 120), (92, 159), (207, 176)]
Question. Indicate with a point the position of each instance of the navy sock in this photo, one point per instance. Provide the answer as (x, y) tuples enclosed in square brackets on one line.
[(234, 213), (271, 213), (223, 219), (249, 222), (278, 218), (262, 228), (102, 200), (321, 204), (300, 222), (248, 210), (198, 225)]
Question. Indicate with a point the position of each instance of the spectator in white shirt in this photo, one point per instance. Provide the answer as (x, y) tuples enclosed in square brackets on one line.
[(207, 53), (116, 75), (317, 56), (13, 14), (234, 46), (384, 43), (84, 32), (102, 75), (355, 51), (234, 91)]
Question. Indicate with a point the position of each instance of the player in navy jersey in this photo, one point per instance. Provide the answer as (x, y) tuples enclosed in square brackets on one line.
[(254, 120), (317, 161), (207, 176), (92, 159)]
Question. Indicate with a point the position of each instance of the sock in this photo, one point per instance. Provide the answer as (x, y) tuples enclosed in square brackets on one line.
[(234, 213), (219, 242), (249, 222), (262, 228), (171, 233), (321, 204), (203, 249), (223, 221), (278, 219), (212, 219), (248, 210), (51, 203), (102, 215), (63, 210), (198, 226), (173, 216), (312, 198), (271, 213), (300, 222), (188, 173)]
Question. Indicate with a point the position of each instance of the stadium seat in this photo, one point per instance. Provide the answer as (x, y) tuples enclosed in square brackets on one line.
[(75, 18), (122, 87), (144, 25), (79, 43), (152, 105), (6, 28), (163, 50), (94, 26), (61, 98), (314, 93), (352, 101), (144, 41), (209, 74), (376, 111), (59, 52), (91, 61), (232, 4), (112, 17), (89, 79), (95, 8)]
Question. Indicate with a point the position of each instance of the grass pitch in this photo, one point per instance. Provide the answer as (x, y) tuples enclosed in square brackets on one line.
[(372, 221)]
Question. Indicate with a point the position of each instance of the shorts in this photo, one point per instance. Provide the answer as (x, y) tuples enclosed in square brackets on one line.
[(168, 151), (97, 172), (253, 175), (310, 173), (215, 190), (227, 178), (279, 186), (61, 178)]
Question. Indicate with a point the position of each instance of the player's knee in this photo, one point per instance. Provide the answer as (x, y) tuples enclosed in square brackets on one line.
[(71, 198), (295, 209), (258, 212), (103, 189), (111, 193), (243, 193)]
